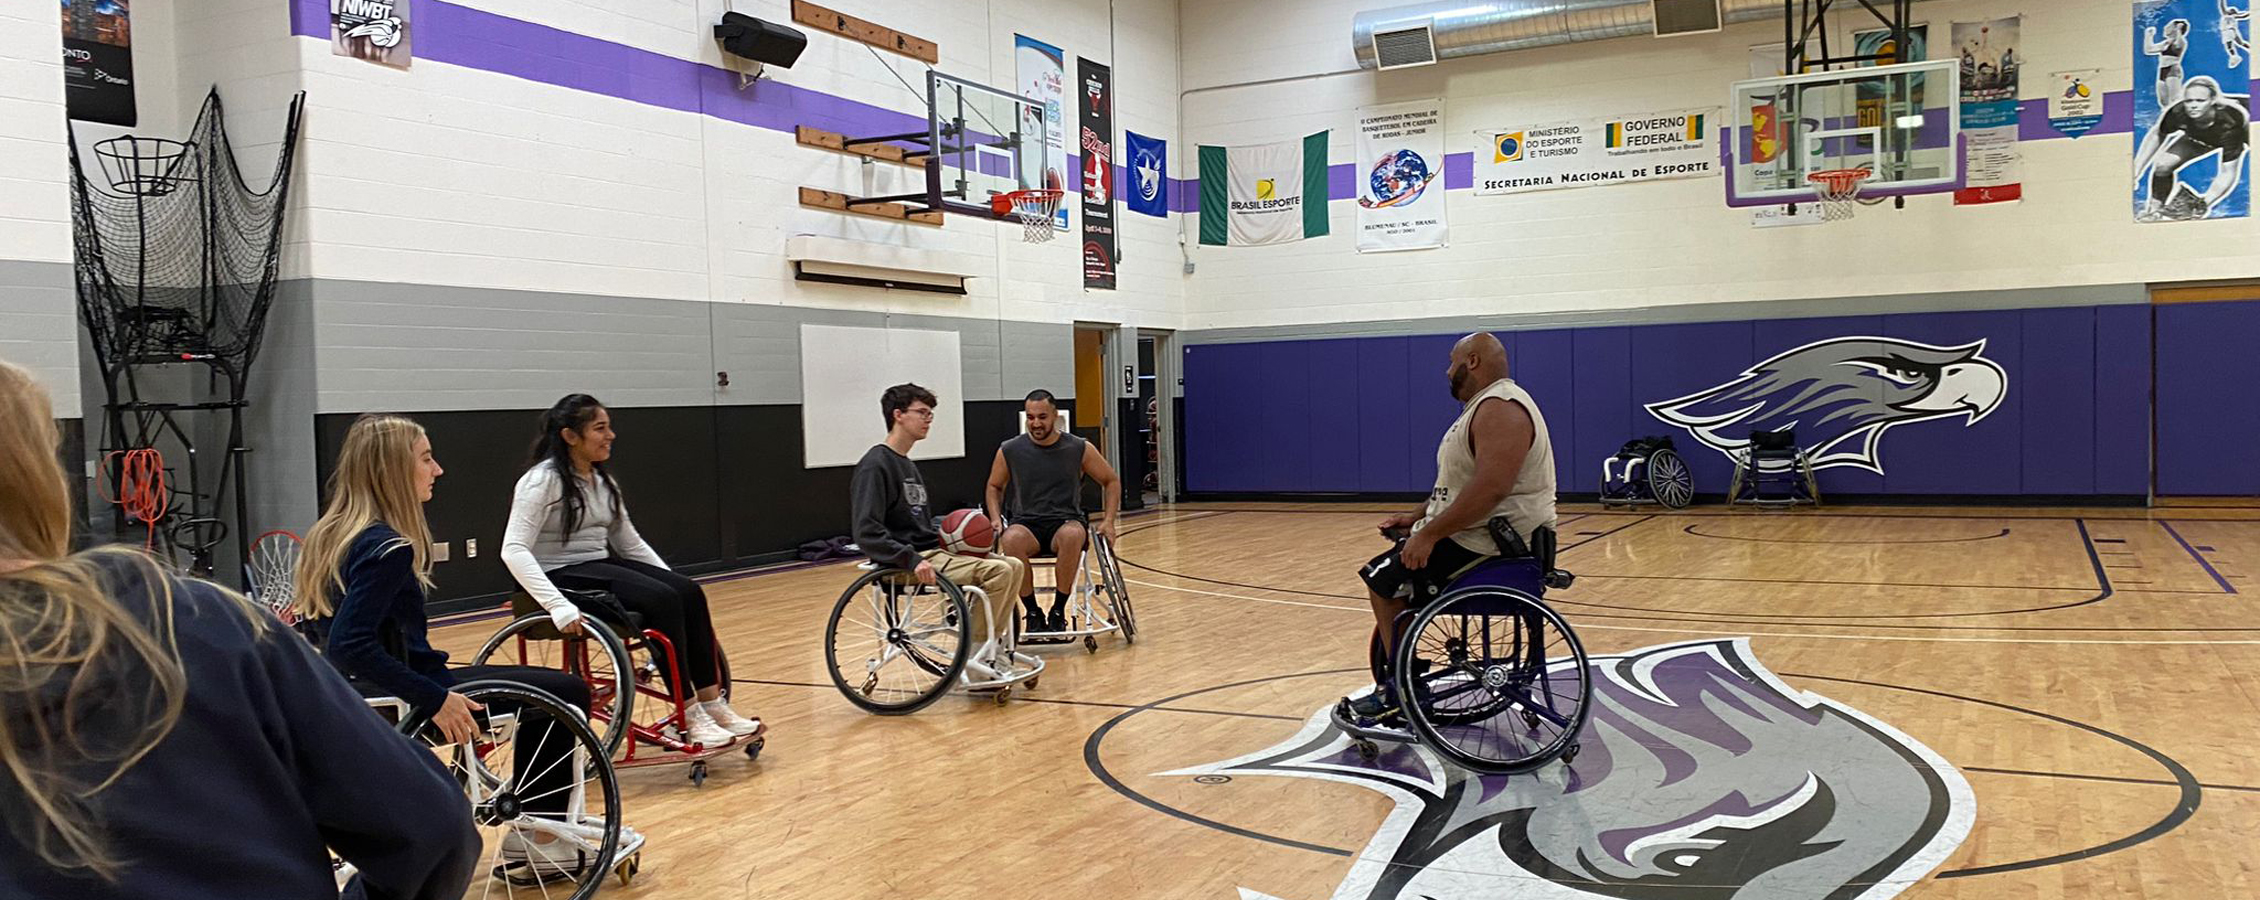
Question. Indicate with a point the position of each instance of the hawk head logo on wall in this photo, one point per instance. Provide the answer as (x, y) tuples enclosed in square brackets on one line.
[(1506, 147), (1266, 189), (1841, 395)]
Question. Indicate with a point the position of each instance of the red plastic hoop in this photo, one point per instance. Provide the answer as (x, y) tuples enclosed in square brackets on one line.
[(1034, 207), (1838, 190)]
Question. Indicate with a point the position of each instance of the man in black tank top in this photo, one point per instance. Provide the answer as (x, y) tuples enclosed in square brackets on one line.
[(1044, 469)]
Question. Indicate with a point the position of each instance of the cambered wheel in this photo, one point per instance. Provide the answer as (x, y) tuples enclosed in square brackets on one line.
[(894, 645), (1669, 481), (598, 656), (1493, 679)]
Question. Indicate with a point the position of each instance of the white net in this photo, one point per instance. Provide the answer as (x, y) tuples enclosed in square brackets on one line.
[(1839, 192), (1037, 211)]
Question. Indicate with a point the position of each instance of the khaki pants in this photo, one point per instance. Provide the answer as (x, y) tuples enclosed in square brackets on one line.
[(999, 577)]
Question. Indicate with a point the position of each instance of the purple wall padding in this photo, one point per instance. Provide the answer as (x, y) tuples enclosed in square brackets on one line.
[(2208, 414), (1364, 414)]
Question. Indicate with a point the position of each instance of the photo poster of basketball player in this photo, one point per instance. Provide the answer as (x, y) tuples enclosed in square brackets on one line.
[(1992, 170), (2192, 120), (98, 61), (1042, 70)]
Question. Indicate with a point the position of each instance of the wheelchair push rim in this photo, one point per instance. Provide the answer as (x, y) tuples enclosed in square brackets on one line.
[(601, 660), (893, 646), (498, 793), (1493, 680)]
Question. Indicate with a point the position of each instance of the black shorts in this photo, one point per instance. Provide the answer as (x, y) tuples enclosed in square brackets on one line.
[(1388, 577), (1045, 530)]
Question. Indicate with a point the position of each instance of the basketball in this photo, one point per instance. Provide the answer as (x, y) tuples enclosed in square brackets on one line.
[(967, 532)]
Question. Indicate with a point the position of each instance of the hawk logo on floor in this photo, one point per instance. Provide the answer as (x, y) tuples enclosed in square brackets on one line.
[(1841, 395), (1702, 774)]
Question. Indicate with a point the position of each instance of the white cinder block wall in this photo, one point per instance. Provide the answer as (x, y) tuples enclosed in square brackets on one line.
[(35, 223), (1659, 243), (450, 175)]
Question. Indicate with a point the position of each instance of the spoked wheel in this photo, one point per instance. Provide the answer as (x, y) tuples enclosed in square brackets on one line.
[(274, 560), (1117, 592), (1669, 481), (1810, 478), (1741, 475), (895, 645), (549, 827), (599, 658), (1494, 680)]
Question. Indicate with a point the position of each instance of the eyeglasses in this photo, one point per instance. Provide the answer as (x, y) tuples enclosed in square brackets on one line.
[(926, 414)]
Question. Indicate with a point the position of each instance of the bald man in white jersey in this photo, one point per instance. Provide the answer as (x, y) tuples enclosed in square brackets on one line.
[(1496, 460)]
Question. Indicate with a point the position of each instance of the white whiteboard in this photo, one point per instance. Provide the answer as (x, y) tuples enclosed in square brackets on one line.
[(843, 371)]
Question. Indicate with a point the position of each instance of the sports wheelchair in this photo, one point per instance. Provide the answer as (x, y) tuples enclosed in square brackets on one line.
[(486, 768), (1647, 470), (1485, 673), (895, 645), (622, 675), (1100, 604), (1772, 470)]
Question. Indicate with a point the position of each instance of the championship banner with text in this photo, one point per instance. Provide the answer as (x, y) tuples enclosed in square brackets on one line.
[(374, 30), (1681, 144), (1098, 173), (98, 61), (1992, 169), (2192, 124), (1401, 186)]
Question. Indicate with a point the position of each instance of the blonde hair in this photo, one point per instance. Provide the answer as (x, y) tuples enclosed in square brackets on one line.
[(88, 686), (374, 482)]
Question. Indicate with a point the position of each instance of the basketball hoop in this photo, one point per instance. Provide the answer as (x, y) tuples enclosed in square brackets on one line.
[(1034, 207), (1839, 191), (142, 166)]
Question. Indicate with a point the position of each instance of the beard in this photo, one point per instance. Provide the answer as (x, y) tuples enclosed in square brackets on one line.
[(1459, 379)]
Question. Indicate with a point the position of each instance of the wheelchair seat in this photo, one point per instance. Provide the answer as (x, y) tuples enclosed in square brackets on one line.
[(523, 604), (1774, 445)]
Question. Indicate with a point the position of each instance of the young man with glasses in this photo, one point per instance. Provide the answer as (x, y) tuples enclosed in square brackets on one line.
[(894, 524)]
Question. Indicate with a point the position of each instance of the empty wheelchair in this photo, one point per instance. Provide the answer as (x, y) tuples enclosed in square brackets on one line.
[(551, 833), (638, 690), (1486, 674), (1647, 470), (895, 645), (1773, 471), (1099, 604)]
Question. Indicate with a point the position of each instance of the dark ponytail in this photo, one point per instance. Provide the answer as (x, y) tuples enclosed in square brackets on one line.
[(575, 412)]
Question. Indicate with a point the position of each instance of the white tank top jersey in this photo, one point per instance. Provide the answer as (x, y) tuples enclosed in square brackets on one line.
[(1528, 505)]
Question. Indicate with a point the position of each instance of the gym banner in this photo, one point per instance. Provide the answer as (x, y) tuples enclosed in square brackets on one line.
[(374, 30), (1098, 174), (2191, 123), (1401, 177), (1042, 73), (1264, 193), (98, 61), (1992, 168), (1149, 174), (1676, 144), (2075, 104)]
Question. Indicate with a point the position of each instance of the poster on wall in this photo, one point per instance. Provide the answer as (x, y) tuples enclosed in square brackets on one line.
[(2191, 119), (98, 61), (1993, 169), (1879, 42), (1674, 144), (1400, 172), (1264, 193), (1042, 77), (2075, 104), (1149, 174), (374, 30), (1097, 141)]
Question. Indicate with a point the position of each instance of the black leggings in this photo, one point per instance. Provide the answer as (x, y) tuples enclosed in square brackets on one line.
[(542, 752), (670, 604)]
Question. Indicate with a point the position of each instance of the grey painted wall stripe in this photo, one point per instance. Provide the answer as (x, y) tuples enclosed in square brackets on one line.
[(1955, 301), (434, 348), (39, 306)]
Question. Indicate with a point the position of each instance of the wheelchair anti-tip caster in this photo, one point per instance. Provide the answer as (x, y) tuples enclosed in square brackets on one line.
[(629, 867), (1034, 680), (753, 748), (1004, 694), (1368, 749), (1569, 754), (698, 773), (1090, 643)]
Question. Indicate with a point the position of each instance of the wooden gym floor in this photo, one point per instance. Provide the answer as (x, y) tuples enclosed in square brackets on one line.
[(2019, 703)]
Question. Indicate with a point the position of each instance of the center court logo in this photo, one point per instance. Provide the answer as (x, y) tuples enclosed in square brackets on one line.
[(1506, 147), (1702, 774)]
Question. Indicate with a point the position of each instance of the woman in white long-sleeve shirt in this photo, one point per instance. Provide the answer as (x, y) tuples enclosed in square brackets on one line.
[(570, 529)]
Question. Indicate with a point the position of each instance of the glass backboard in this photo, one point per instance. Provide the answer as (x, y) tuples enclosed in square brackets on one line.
[(986, 141), (1898, 121)]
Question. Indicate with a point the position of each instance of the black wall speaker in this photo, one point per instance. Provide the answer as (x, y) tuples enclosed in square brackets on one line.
[(763, 42)]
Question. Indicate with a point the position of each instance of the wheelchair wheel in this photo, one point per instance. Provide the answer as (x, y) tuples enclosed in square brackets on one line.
[(575, 846), (1741, 475), (1669, 481), (1493, 680), (1117, 593), (601, 659), (1810, 479), (895, 645)]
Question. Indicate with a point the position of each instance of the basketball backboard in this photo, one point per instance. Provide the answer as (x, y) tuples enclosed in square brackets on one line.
[(985, 141), (1897, 121)]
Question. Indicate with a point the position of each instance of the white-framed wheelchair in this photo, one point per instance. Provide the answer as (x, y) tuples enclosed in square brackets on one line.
[(1647, 470), (1486, 674), (1773, 471), (580, 843), (895, 645), (1100, 603)]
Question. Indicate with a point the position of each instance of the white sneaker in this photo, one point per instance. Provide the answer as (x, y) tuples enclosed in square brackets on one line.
[(557, 858), (729, 719), (701, 728)]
